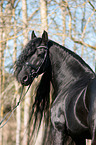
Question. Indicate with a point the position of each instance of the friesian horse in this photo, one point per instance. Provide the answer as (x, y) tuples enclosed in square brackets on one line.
[(73, 110)]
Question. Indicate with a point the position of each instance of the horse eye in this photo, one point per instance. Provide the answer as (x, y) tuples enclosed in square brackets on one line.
[(33, 44), (26, 63)]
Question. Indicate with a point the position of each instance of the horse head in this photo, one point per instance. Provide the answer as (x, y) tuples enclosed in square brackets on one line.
[(32, 60)]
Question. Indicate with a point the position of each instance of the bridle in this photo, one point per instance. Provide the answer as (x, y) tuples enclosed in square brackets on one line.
[(36, 73)]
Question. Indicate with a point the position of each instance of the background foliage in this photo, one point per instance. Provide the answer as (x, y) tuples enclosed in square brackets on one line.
[(71, 23)]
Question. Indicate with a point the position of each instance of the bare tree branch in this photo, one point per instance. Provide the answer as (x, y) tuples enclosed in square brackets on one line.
[(92, 6), (32, 15), (70, 31)]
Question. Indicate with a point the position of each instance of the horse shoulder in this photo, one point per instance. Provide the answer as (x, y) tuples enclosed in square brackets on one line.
[(57, 113)]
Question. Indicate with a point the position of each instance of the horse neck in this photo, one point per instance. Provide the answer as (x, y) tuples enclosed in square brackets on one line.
[(67, 67)]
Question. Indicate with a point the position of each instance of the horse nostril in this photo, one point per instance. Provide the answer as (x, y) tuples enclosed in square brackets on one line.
[(25, 78)]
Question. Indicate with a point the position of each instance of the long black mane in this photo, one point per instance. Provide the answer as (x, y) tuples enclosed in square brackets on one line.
[(67, 52), (72, 65)]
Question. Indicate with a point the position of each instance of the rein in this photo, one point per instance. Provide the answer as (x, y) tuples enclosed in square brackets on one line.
[(12, 110)]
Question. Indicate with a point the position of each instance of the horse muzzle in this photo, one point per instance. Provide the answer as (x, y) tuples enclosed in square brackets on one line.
[(25, 79)]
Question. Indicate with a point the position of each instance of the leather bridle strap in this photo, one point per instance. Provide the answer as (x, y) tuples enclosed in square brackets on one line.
[(36, 73), (46, 48)]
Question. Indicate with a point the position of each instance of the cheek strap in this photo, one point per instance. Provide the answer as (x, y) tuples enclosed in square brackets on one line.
[(36, 72)]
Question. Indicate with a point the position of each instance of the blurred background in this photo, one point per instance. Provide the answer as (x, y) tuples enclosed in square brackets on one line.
[(71, 23)]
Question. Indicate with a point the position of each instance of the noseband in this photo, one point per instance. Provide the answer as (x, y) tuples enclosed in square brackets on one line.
[(36, 73)]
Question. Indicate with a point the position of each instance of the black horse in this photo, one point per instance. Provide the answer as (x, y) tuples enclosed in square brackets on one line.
[(73, 111)]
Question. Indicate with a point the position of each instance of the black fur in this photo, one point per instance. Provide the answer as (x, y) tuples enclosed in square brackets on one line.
[(73, 112)]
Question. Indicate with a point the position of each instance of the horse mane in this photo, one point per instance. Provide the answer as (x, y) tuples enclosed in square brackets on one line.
[(41, 105), (72, 54)]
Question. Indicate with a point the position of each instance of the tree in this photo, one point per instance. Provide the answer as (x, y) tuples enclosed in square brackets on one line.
[(1, 34), (44, 26), (43, 13), (27, 97), (63, 13), (17, 96)]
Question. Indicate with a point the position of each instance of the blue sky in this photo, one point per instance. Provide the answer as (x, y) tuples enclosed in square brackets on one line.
[(55, 27)]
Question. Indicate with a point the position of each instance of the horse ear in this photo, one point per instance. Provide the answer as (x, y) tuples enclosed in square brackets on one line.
[(45, 37), (33, 35)]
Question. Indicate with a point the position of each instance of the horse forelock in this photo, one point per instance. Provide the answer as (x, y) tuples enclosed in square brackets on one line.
[(26, 53)]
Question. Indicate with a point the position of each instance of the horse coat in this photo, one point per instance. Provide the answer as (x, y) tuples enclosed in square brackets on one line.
[(73, 109)]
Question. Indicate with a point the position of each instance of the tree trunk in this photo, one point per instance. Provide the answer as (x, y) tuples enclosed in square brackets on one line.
[(26, 117), (88, 142), (1, 49), (18, 117), (24, 17), (43, 11), (44, 26), (63, 13), (17, 96), (27, 97)]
